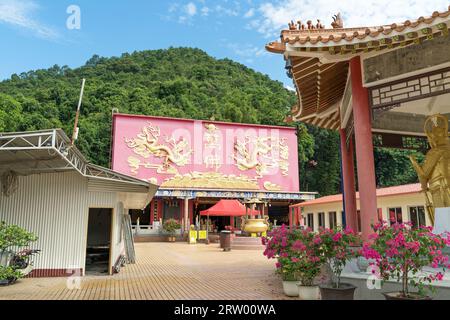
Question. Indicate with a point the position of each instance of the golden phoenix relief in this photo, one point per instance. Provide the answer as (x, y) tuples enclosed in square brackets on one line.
[(434, 174)]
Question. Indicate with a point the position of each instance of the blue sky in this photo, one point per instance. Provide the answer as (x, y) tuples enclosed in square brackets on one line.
[(34, 33)]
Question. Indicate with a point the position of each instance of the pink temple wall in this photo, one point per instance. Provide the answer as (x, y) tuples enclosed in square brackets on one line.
[(195, 133)]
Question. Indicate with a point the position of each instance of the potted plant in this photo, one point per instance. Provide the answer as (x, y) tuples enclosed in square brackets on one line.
[(8, 275), (308, 261), (171, 226), (277, 244), (338, 247), (12, 236), (400, 252)]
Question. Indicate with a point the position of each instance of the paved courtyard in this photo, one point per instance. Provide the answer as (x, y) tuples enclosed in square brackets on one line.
[(167, 271)]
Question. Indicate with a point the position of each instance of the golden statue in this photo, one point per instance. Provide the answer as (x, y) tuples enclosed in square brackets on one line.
[(434, 174)]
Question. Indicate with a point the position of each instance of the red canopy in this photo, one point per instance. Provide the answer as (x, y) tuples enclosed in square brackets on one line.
[(228, 208)]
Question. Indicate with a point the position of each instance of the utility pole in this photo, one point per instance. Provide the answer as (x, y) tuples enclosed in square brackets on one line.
[(75, 127)]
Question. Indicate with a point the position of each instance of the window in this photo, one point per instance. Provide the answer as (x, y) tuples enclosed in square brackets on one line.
[(310, 221), (380, 214), (417, 216), (358, 214), (332, 219), (321, 219), (155, 211), (395, 215)]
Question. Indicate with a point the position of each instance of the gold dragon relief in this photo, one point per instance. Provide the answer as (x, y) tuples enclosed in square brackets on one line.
[(262, 154), (147, 143)]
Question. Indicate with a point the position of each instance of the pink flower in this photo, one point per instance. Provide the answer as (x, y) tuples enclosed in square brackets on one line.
[(317, 240), (337, 237), (373, 236), (278, 265), (295, 260), (298, 246)]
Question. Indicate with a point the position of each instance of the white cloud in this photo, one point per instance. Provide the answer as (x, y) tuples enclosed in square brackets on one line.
[(227, 11), (270, 18), (250, 13), (247, 52), (187, 12), (191, 9), (290, 88), (20, 13), (205, 11)]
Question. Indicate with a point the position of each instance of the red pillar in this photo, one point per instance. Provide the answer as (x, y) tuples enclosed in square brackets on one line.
[(364, 149), (348, 177)]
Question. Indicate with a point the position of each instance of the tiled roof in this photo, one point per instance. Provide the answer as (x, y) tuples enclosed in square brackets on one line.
[(382, 192), (321, 82), (366, 38)]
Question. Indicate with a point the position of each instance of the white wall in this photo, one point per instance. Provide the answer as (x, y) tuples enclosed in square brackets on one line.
[(404, 201), (55, 206)]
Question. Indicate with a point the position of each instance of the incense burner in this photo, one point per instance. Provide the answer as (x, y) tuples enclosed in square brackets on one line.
[(255, 225)]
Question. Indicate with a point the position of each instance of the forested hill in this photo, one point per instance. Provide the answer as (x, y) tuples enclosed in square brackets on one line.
[(177, 82)]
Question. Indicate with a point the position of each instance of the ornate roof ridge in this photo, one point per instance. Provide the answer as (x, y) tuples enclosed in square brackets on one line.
[(314, 35)]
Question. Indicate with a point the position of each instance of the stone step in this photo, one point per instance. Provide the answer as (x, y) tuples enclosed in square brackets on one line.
[(246, 243), (247, 240), (247, 247)]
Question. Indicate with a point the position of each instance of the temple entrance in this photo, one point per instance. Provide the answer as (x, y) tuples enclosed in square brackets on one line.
[(171, 210)]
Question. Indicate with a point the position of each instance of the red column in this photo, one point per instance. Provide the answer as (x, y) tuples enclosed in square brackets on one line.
[(348, 177), (191, 211), (364, 149)]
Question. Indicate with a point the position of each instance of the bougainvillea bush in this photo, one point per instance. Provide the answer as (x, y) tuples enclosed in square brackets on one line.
[(338, 246), (401, 252), (297, 252)]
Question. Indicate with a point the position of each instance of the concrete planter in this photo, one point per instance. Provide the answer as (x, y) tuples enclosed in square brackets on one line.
[(308, 292), (5, 258), (290, 288), (345, 291), (398, 296)]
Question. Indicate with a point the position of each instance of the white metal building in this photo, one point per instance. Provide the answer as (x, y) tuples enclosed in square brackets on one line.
[(50, 189)]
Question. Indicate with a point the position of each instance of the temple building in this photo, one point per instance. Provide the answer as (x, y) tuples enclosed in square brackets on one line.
[(375, 85), (197, 163)]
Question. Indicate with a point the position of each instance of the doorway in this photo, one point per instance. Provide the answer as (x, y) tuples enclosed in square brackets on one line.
[(98, 246)]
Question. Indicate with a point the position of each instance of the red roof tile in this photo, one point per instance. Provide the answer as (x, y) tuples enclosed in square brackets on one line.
[(382, 192)]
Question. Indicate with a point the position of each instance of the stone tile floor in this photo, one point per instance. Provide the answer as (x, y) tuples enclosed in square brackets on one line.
[(167, 271)]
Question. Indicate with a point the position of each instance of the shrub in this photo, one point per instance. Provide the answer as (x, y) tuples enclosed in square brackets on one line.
[(336, 247), (297, 252), (171, 225), (8, 273), (12, 236), (401, 252)]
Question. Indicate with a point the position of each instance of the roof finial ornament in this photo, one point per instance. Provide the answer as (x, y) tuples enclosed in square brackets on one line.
[(292, 25), (319, 25), (337, 21)]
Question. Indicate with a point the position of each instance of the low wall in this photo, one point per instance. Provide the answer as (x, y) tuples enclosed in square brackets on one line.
[(373, 290), (363, 292)]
